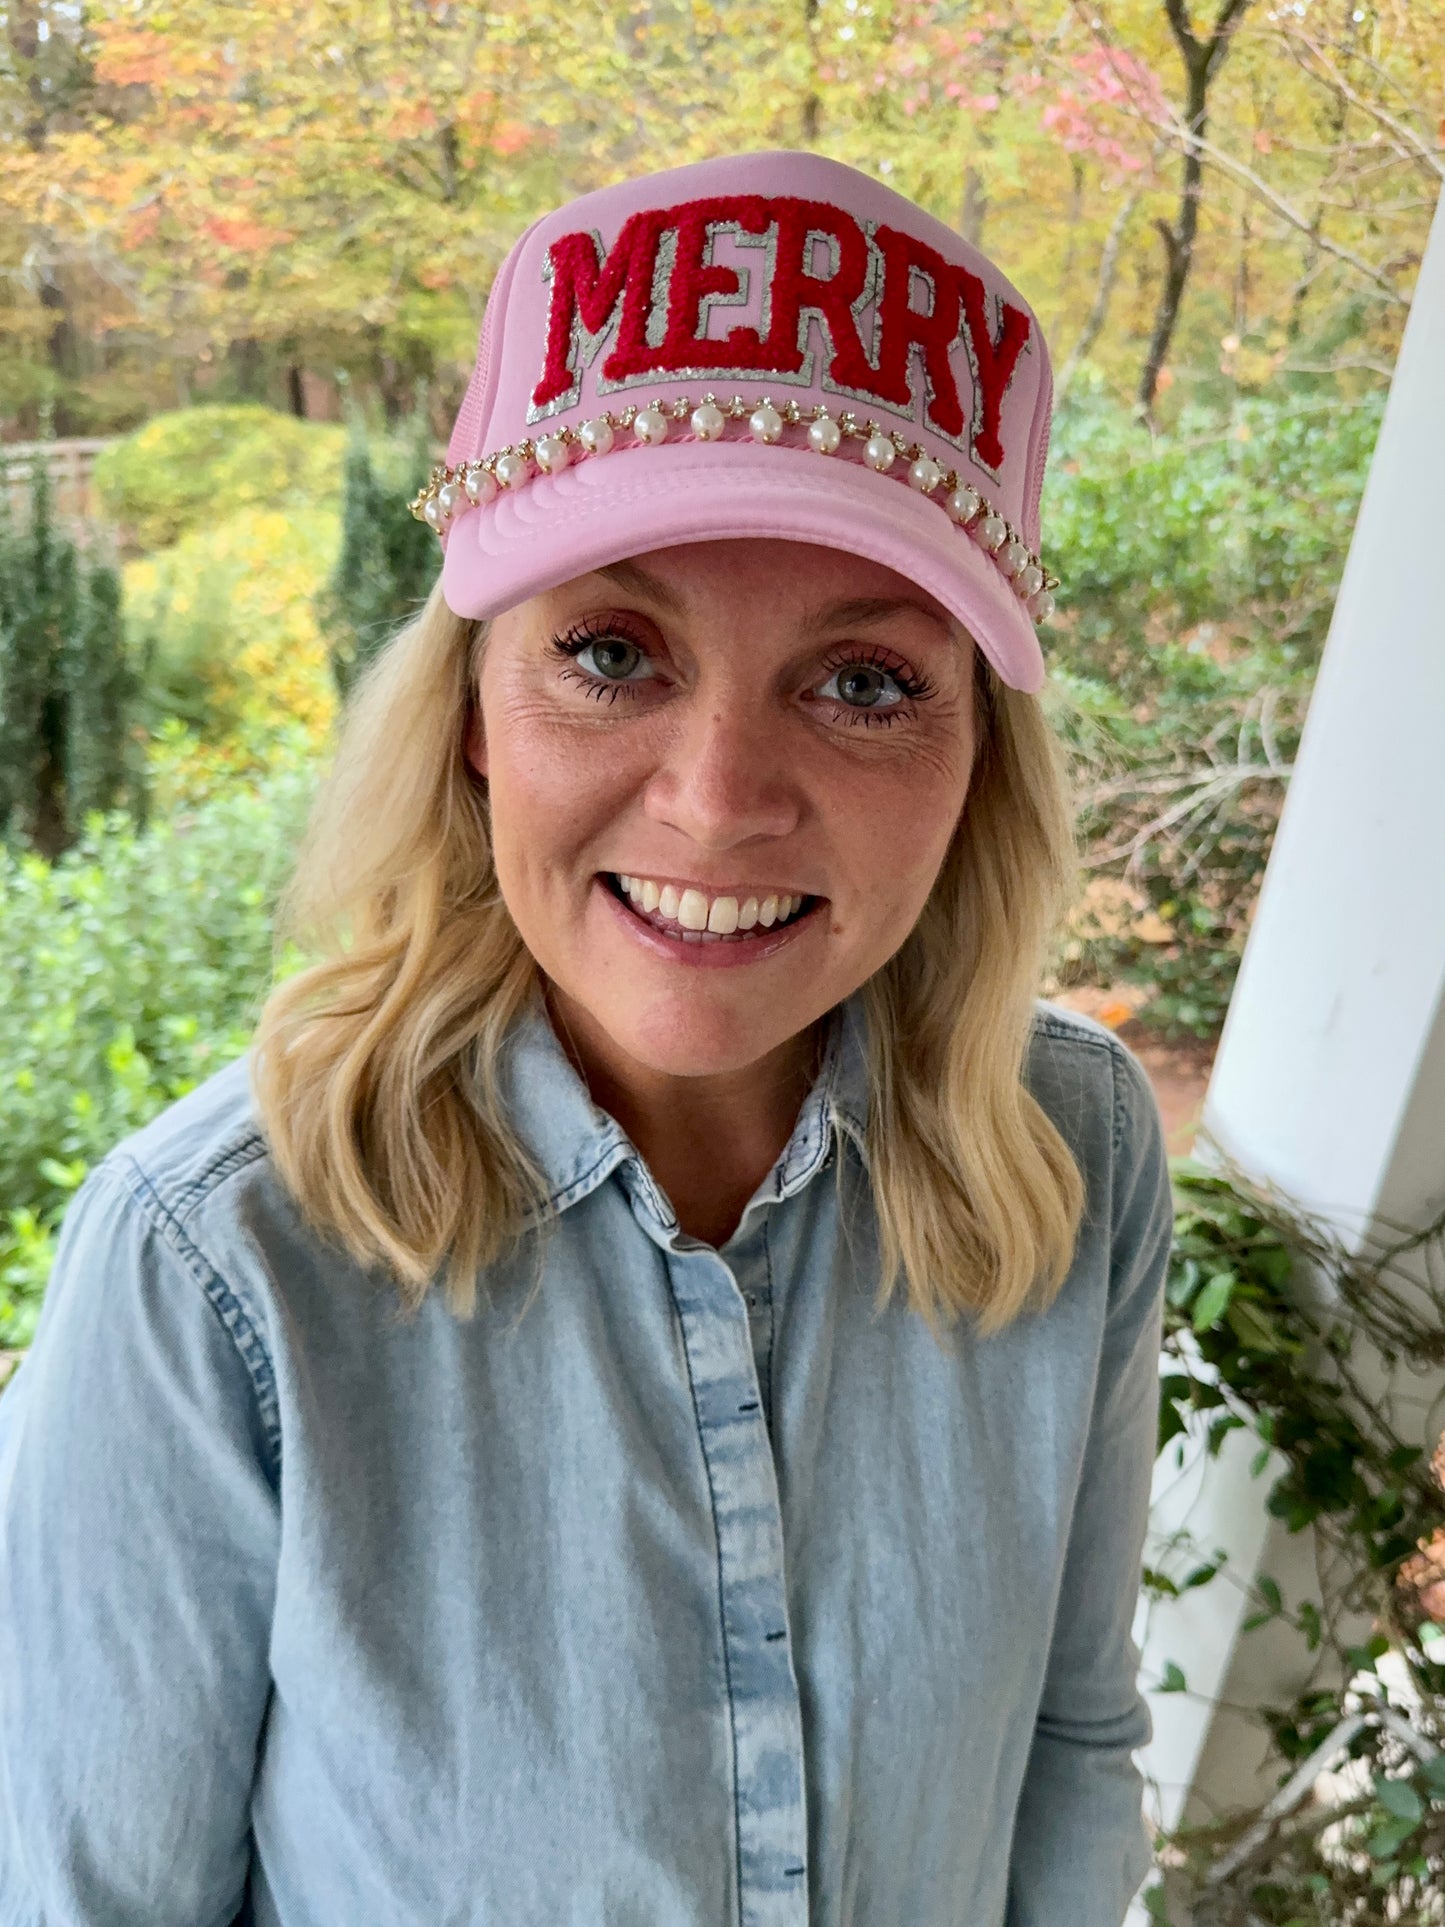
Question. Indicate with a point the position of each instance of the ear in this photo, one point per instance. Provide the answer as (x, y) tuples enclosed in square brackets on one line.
[(476, 743)]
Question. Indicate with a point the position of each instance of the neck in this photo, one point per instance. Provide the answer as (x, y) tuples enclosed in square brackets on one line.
[(709, 1141)]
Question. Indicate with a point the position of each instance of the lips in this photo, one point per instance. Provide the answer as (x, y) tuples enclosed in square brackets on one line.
[(708, 950), (672, 928)]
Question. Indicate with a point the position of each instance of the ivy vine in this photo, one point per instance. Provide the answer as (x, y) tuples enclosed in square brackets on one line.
[(1274, 1325)]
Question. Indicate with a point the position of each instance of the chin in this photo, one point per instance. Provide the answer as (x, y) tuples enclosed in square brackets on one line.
[(669, 1037)]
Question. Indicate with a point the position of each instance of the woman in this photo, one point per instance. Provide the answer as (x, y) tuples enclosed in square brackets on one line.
[(473, 1466)]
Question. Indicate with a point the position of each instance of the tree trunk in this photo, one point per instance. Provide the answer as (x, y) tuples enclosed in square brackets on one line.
[(50, 835), (1108, 274), (1336, 125), (1202, 61), (812, 106), (975, 207), (43, 64), (245, 357), (1076, 215)]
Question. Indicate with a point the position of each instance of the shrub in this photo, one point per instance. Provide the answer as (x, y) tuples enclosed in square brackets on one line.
[(193, 466), (1200, 568), (133, 968), (1217, 519), (226, 620)]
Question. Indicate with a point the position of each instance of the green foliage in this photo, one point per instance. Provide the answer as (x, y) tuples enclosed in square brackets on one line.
[(1178, 794), (223, 623), (1217, 516), (1199, 569), (1230, 1289), (181, 629), (67, 689), (133, 968), (389, 560), (197, 465), (1250, 1344)]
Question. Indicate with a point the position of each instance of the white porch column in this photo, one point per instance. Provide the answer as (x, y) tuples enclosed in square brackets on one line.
[(1330, 1076)]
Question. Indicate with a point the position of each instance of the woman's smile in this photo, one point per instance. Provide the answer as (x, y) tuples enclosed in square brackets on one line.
[(670, 939)]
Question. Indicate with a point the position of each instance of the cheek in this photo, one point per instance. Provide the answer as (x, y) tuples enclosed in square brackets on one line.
[(897, 822), (554, 790)]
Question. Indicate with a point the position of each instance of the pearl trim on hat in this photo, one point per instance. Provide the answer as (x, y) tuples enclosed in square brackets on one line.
[(478, 482)]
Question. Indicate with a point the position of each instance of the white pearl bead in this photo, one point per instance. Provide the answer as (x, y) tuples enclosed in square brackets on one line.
[(552, 454), (963, 504), (879, 452), (1041, 607), (1012, 557), (432, 511), (596, 436), (825, 435), (925, 474), (650, 425), (991, 531), (447, 497), (480, 486), (708, 421), (512, 469), (1029, 579), (765, 424)]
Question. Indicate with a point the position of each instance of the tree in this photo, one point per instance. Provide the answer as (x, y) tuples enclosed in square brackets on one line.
[(67, 689), (388, 559), (261, 189), (1202, 61)]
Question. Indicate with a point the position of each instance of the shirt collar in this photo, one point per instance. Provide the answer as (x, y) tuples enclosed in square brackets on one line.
[(578, 1145)]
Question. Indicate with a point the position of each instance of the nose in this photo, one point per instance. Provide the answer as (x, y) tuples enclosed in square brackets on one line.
[(724, 777)]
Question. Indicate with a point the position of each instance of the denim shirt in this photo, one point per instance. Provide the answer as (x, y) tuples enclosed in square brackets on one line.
[(702, 1594)]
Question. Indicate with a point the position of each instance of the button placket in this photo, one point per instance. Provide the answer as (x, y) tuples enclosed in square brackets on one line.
[(762, 1685)]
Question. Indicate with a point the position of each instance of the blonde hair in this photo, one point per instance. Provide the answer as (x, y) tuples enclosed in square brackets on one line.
[(375, 1069)]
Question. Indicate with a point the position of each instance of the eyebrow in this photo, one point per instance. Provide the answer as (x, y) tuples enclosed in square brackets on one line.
[(861, 610), (636, 580), (852, 613)]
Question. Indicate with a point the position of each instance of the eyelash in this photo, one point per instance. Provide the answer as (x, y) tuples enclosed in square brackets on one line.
[(583, 634)]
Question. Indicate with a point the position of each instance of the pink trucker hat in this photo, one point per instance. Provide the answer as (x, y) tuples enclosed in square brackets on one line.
[(767, 344)]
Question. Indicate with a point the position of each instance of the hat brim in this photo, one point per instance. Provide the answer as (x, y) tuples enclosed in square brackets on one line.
[(603, 509)]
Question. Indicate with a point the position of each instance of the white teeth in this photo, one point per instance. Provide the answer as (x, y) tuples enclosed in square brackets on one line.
[(692, 909)]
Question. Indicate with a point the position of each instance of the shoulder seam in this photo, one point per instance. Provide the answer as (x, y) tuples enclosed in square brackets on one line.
[(1118, 1112), (234, 1157), (219, 1295), (1119, 1058), (1076, 1034)]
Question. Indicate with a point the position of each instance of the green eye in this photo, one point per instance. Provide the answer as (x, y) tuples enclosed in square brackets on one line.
[(605, 653), (605, 641), (862, 672)]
